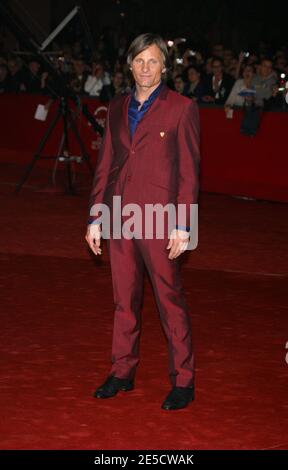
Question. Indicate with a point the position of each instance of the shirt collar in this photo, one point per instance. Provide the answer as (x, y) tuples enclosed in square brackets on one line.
[(151, 96)]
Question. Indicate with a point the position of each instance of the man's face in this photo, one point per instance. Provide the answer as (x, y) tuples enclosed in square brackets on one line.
[(79, 66), (216, 67), (97, 69), (178, 83), (193, 75), (12, 66), (118, 79), (266, 68), (218, 50), (281, 63), (34, 67), (147, 67), (248, 72), (228, 54)]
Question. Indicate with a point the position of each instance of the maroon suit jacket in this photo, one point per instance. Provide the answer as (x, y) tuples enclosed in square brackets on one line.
[(160, 164)]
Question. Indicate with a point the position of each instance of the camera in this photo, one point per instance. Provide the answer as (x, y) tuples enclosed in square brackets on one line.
[(283, 82)]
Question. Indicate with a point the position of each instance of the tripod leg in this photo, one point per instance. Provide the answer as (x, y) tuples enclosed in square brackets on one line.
[(37, 154), (70, 188), (85, 155)]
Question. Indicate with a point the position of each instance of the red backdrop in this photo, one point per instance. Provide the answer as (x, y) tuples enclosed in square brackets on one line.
[(231, 163)]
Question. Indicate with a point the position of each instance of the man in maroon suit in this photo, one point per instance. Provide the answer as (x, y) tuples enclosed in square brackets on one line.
[(149, 155)]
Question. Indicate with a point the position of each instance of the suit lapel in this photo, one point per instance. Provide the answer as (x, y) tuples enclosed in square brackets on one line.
[(124, 120), (147, 118)]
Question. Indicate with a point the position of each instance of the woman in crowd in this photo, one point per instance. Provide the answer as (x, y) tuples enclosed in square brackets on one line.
[(247, 82)]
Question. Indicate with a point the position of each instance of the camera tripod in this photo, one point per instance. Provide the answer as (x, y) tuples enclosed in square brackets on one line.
[(65, 114)]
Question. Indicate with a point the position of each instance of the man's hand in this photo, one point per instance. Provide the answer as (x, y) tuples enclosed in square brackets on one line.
[(241, 57), (178, 243), (275, 91), (93, 238)]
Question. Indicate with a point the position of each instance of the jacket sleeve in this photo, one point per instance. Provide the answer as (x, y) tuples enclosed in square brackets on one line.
[(188, 141), (101, 174)]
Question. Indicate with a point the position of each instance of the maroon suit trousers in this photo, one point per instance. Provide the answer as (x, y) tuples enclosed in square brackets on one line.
[(128, 259)]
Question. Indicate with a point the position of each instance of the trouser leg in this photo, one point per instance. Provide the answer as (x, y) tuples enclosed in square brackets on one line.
[(127, 270), (174, 312)]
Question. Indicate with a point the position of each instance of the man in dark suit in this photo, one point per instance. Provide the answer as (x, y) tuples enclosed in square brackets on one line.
[(218, 84), (149, 155)]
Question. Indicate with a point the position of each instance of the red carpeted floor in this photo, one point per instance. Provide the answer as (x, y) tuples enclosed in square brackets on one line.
[(57, 317)]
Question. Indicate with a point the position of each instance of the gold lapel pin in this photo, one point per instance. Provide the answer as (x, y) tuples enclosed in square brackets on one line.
[(162, 133)]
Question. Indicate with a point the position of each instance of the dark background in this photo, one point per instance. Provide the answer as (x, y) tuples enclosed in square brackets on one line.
[(238, 24), (235, 22)]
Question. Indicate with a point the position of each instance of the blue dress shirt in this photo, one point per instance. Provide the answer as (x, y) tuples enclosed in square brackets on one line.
[(134, 114)]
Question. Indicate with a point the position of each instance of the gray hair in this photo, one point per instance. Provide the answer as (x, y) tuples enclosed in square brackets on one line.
[(141, 42)]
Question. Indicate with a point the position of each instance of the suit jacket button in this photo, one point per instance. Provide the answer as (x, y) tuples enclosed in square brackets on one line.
[(129, 178), (133, 151)]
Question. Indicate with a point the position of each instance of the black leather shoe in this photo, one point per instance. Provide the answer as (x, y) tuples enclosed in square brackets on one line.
[(112, 385), (178, 397)]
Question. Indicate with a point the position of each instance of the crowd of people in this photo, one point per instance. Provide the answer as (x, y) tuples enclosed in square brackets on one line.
[(219, 77)]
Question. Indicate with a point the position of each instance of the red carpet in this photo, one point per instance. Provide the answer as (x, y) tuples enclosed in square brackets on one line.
[(57, 318)]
